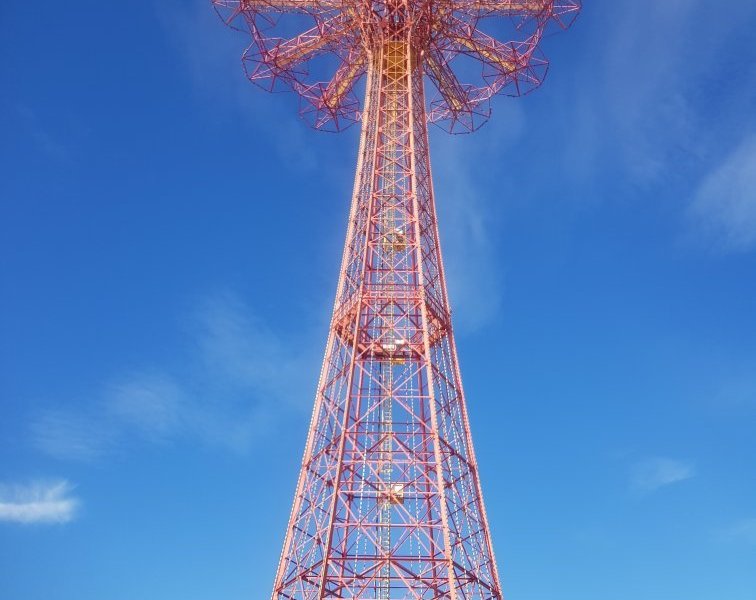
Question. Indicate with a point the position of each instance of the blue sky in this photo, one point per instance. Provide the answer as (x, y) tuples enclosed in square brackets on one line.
[(169, 245)]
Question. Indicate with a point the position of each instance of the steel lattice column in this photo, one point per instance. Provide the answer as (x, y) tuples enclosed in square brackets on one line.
[(388, 503)]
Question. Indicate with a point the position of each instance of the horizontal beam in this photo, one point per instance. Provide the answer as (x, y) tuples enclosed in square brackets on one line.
[(511, 8)]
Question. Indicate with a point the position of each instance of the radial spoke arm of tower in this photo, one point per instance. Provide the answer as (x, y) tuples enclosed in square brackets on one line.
[(506, 58), (343, 81), (446, 82), (286, 55)]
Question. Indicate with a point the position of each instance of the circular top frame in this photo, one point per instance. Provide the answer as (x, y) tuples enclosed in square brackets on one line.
[(321, 49)]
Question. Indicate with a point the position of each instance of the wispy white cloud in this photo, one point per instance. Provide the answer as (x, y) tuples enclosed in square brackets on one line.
[(41, 136), (635, 104), (743, 530), (237, 345), (468, 215), (240, 380), (73, 435), (723, 211), (644, 91), (40, 502), (736, 392), (655, 473), (211, 53), (152, 404)]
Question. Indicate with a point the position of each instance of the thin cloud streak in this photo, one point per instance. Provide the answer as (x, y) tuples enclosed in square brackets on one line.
[(152, 404), (743, 530), (42, 138), (656, 473), (208, 49), (39, 502), (723, 211), (643, 115), (73, 435), (241, 380), (468, 217), (737, 391)]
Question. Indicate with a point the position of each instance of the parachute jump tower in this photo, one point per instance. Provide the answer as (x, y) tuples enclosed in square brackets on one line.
[(389, 505)]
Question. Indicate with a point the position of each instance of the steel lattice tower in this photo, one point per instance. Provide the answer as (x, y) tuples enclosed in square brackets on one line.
[(388, 505)]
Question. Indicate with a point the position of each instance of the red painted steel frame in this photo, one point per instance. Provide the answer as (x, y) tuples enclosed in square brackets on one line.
[(465, 65), (388, 504)]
